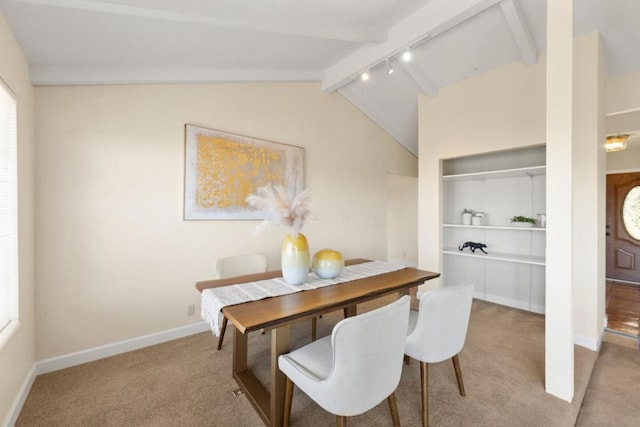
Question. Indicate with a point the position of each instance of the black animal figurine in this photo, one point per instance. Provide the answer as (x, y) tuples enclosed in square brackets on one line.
[(473, 246)]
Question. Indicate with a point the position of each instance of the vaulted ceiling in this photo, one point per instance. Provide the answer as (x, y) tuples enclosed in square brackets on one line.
[(331, 41)]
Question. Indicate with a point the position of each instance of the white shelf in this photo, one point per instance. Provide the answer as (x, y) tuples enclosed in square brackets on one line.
[(521, 259), (505, 173), (512, 273), (495, 227)]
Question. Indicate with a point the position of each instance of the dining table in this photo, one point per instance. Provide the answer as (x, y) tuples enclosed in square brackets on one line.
[(277, 314)]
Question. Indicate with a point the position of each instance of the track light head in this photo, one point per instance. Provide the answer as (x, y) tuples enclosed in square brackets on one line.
[(365, 76), (389, 68), (406, 56)]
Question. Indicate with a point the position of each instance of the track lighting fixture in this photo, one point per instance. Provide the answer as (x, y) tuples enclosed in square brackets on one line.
[(389, 68), (406, 56), (365, 76)]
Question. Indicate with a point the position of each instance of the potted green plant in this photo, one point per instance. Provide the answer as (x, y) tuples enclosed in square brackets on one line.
[(523, 221)]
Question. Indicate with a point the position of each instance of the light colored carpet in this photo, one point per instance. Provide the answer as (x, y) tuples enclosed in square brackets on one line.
[(613, 398), (188, 383)]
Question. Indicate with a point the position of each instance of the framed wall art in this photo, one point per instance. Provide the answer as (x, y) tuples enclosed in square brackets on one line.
[(222, 169)]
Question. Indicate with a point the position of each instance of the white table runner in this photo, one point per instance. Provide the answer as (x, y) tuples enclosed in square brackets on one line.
[(213, 299)]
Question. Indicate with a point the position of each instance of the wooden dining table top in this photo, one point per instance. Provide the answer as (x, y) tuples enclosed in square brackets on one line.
[(276, 311)]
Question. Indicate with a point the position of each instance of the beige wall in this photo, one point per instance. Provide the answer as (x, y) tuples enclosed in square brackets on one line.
[(18, 354), (624, 161), (115, 258), (501, 109), (623, 105), (623, 93), (402, 219), (400, 161), (589, 198), (504, 109)]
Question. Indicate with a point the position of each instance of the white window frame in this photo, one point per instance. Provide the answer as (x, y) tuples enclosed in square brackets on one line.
[(9, 284)]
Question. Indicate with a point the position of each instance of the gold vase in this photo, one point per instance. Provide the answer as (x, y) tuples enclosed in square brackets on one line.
[(295, 259)]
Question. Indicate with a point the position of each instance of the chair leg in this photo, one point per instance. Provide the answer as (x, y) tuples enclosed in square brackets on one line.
[(456, 367), (341, 421), (223, 329), (288, 397), (424, 385), (393, 407), (314, 324)]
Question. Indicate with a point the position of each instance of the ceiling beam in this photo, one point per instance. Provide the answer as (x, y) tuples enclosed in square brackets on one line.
[(51, 75), (520, 31), (283, 26), (435, 18), (420, 78)]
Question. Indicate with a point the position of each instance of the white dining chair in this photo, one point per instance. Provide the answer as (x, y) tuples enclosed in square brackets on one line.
[(238, 265), (437, 332), (355, 368)]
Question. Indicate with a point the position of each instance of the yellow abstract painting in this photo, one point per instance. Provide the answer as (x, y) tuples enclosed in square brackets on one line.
[(222, 169)]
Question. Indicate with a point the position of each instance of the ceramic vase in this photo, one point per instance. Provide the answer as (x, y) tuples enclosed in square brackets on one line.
[(295, 259), (327, 263)]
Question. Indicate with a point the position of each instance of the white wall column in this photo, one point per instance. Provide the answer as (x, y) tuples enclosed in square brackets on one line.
[(559, 375), (589, 191)]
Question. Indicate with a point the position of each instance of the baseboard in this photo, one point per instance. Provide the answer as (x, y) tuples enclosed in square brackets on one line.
[(21, 397), (587, 342), (622, 339), (509, 302), (89, 355)]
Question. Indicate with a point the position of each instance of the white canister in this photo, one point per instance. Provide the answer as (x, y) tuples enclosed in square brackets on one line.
[(478, 218), (466, 218), (542, 220)]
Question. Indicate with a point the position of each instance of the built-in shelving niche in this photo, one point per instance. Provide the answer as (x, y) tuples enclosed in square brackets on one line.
[(501, 185)]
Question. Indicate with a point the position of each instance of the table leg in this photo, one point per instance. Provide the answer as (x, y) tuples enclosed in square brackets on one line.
[(280, 343), (239, 351), (254, 391), (351, 310)]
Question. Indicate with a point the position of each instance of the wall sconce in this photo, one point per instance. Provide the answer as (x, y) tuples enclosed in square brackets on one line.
[(616, 143)]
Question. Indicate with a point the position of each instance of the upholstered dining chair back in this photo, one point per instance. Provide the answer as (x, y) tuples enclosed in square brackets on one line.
[(358, 366), (368, 351), (439, 330), (239, 265)]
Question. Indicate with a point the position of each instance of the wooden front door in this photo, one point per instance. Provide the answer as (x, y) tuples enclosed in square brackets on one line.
[(623, 239)]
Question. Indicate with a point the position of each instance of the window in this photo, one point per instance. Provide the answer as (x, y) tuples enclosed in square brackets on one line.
[(631, 212), (8, 215)]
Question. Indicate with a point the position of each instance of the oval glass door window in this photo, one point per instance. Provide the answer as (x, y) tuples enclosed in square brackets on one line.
[(631, 212)]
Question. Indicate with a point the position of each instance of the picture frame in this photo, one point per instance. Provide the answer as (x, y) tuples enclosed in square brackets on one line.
[(222, 169)]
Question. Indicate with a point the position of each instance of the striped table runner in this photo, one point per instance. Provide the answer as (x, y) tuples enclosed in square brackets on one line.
[(215, 298)]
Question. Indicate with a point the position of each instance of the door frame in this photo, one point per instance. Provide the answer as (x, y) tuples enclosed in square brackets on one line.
[(606, 201)]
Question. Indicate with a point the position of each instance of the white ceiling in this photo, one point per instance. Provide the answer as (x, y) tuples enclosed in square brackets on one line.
[(332, 41)]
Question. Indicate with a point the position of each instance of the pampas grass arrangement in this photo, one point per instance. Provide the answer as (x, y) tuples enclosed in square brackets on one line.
[(281, 208)]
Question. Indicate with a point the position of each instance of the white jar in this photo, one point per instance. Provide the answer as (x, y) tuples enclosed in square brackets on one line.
[(542, 220), (466, 218)]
